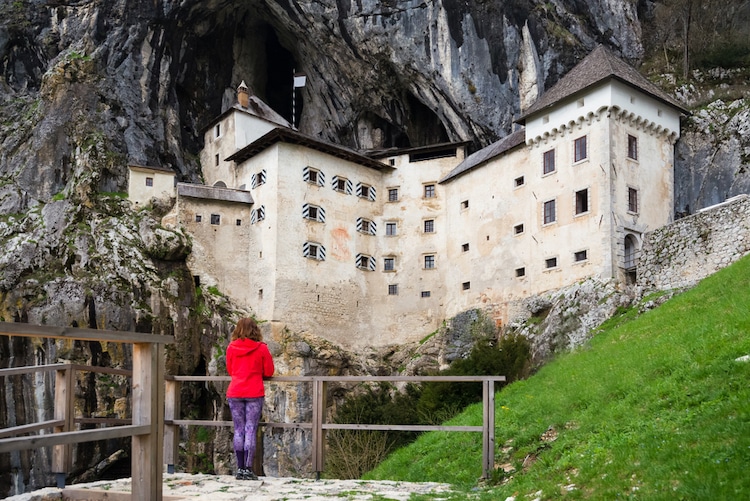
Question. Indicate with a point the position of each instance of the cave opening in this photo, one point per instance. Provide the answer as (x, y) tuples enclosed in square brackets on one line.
[(280, 68)]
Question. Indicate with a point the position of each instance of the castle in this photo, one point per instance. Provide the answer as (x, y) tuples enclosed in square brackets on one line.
[(380, 248)]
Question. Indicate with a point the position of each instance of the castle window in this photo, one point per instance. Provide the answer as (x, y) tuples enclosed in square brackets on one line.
[(425, 294), (217, 130), (429, 191), (314, 213), (429, 262), (391, 162), (390, 229), (198, 218), (365, 262), (520, 272), (216, 159), (465, 204), (149, 181), (215, 219), (549, 162), (466, 286), (258, 179), (312, 250), (632, 147), (366, 226), (550, 263), (464, 247), (389, 264), (582, 201), (518, 182), (581, 255), (366, 191), (579, 149), (393, 290), (518, 229), (549, 212), (238, 222), (342, 185), (258, 215), (313, 176), (429, 226), (633, 200), (393, 194)]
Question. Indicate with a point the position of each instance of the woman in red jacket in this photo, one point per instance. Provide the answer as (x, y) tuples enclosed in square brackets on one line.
[(248, 362)]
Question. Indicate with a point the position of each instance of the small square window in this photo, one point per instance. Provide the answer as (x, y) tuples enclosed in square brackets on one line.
[(429, 262), (632, 147), (429, 226), (580, 103), (389, 264), (549, 212), (149, 181), (340, 185), (518, 229), (391, 162), (312, 177), (465, 204), (312, 213), (429, 191), (393, 194), (549, 162), (579, 149), (425, 294), (238, 222), (393, 290), (466, 286), (579, 256), (390, 229), (582, 201), (632, 200), (215, 219), (465, 247), (520, 272), (198, 218), (550, 262), (519, 181)]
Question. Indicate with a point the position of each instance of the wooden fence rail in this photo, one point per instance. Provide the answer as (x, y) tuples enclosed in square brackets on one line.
[(155, 422)]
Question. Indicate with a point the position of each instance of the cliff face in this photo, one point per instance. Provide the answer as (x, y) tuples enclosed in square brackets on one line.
[(88, 87)]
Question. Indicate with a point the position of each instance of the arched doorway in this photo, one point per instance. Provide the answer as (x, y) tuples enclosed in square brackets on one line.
[(631, 255)]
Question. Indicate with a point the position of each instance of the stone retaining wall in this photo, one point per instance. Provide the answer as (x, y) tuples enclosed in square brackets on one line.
[(682, 253)]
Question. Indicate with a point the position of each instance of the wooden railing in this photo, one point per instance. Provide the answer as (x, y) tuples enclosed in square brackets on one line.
[(147, 396), (319, 425), (155, 423)]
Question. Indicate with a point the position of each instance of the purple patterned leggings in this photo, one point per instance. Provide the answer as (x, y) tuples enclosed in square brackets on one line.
[(245, 415)]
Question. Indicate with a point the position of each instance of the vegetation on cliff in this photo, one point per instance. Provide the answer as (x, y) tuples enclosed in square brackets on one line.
[(655, 407)]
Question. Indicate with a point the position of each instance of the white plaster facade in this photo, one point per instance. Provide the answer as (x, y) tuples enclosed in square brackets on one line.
[(145, 183), (405, 239)]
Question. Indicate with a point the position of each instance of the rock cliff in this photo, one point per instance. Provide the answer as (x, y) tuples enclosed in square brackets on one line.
[(88, 87)]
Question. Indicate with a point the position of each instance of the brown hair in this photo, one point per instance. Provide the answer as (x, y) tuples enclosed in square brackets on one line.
[(247, 328)]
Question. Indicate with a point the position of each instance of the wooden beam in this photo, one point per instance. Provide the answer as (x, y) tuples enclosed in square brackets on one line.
[(29, 428), (70, 437), (49, 331)]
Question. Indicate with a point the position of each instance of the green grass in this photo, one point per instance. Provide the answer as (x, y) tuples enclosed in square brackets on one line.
[(655, 407)]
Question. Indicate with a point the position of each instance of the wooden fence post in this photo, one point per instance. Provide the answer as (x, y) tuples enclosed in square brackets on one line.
[(148, 404), (64, 393), (171, 431), (318, 418), (488, 423)]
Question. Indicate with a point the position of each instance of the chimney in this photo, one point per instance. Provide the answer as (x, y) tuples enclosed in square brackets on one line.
[(243, 97)]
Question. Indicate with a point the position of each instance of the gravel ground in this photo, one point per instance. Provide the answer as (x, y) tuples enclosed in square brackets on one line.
[(227, 488)]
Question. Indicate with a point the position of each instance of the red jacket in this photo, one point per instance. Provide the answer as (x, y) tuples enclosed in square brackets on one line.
[(248, 362)]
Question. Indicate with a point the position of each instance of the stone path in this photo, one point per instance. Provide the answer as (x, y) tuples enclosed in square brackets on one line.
[(227, 488)]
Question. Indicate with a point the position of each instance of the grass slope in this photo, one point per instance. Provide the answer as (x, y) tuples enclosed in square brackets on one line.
[(656, 407)]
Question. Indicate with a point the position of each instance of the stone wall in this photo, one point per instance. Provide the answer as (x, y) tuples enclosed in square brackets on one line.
[(684, 252)]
